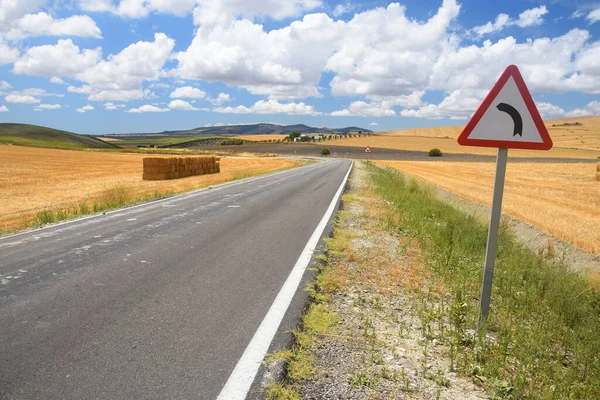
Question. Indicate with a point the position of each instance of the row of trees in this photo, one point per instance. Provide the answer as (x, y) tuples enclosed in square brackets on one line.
[(319, 138)]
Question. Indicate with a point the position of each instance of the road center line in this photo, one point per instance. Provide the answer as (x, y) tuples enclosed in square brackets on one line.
[(240, 380)]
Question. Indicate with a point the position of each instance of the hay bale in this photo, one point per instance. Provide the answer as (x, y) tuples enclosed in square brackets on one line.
[(598, 176), (598, 167)]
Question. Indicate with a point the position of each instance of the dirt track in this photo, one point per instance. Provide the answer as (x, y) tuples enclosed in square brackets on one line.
[(377, 153)]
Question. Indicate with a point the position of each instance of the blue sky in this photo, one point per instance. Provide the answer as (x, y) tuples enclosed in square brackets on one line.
[(116, 66)]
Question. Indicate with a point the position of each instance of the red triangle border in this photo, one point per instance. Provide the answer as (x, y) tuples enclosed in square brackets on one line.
[(511, 70)]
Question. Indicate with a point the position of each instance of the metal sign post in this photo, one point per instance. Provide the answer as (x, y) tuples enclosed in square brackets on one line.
[(492, 242), (507, 118)]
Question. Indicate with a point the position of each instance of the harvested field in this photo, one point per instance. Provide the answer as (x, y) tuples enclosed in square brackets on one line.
[(256, 138), (35, 179), (572, 133), (561, 199), (451, 146)]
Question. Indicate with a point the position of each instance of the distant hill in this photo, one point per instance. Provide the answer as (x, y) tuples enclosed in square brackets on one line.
[(237, 130), (39, 136)]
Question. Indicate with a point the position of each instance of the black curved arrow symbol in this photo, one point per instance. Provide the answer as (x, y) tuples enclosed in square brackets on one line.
[(510, 110)]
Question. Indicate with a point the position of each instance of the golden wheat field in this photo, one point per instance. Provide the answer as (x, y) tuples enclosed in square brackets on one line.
[(256, 138), (34, 179), (562, 199), (451, 146)]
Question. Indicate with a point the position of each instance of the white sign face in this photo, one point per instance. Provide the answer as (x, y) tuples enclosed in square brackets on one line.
[(502, 125), (507, 118)]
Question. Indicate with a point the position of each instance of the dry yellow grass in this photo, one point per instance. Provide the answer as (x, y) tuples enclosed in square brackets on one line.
[(450, 132), (256, 138), (451, 146), (562, 199), (34, 179)]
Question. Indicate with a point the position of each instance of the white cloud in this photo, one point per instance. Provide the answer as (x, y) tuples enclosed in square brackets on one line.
[(214, 12), (549, 109), (594, 16), (12, 10), (531, 17), (220, 99), (139, 62), (57, 81), (3, 109), (4, 85), (139, 8), (37, 92), (577, 14), (85, 108), (85, 89), (373, 124), (112, 107), (40, 107), (7, 54), (501, 21), (282, 63), (118, 95), (385, 53), (363, 109), (42, 24), (593, 108), (270, 107), (546, 64), (188, 92), (147, 108), (62, 59), (457, 105), (23, 99), (181, 105)]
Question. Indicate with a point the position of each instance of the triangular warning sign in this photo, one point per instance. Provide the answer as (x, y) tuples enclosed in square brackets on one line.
[(368, 149), (507, 118)]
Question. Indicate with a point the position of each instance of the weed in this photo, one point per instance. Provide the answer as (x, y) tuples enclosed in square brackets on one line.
[(360, 379), (278, 391), (540, 340)]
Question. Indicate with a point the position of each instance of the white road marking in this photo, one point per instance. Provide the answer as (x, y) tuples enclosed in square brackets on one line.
[(241, 378), (132, 219), (234, 206)]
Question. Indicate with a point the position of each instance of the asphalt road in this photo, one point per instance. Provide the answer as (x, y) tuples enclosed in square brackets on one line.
[(157, 301)]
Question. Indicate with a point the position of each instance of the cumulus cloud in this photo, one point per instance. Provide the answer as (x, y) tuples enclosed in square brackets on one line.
[(549, 109), (21, 98), (592, 108), (220, 99), (112, 107), (57, 81), (188, 92), (85, 108), (458, 105), (85, 89), (270, 107), (42, 24), (3, 109), (139, 8), (594, 16), (181, 105), (531, 17), (282, 63), (8, 54), (119, 95), (41, 107), (138, 62), (215, 12), (146, 108), (62, 59), (373, 124), (12, 10), (4, 85)]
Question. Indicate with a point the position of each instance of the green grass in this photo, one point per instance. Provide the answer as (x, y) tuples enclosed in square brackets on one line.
[(39, 136), (542, 339)]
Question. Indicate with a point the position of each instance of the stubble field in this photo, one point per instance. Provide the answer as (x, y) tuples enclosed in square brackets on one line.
[(562, 199), (35, 179)]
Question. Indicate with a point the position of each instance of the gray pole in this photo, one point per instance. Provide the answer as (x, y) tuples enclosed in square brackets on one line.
[(492, 243)]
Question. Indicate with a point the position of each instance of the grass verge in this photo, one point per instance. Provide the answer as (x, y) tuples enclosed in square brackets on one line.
[(541, 340)]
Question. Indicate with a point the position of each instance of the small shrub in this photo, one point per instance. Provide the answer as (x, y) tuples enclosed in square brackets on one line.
[(232, 142), (325, 151), (435, 153)]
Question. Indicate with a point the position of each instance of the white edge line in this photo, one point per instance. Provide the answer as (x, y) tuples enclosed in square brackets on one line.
[(152, 202), (240, 380)]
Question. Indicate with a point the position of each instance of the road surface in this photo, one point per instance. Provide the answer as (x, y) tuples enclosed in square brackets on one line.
[(157, 301)]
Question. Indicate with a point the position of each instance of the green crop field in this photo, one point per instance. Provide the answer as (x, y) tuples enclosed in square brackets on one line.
[(39, 136)]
